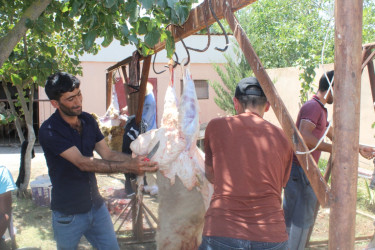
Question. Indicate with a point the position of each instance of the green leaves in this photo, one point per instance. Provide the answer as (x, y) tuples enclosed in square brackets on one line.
[(152, 38), (110, 3), (147, 4), (16, 79), (169, 45), (124, 30), (88, 39), (182, 12)]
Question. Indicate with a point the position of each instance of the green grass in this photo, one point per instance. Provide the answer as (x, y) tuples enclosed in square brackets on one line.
[(34, 226), (365, 196)]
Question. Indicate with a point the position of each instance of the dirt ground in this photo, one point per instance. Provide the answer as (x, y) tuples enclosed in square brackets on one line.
[(31, 220)]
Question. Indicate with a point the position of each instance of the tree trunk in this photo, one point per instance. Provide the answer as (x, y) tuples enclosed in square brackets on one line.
[(17, 122), (8, 42), (28, 111)]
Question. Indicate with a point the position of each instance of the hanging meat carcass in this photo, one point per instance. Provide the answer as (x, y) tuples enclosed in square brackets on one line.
[(184, 191)]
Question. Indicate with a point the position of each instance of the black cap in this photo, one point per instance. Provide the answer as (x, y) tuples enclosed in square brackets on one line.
[(243, 88)]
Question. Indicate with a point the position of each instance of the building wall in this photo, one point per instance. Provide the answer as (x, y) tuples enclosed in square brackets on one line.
[(93, 87), (288, 87), (286, 81)]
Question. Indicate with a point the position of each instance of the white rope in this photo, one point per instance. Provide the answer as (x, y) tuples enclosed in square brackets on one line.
[(322, 63), (317, 145)]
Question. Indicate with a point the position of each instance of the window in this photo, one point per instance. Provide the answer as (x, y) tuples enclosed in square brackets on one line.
[(201, 88)]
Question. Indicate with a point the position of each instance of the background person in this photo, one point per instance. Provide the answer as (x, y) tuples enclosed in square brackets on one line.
[(132, 132), (248, 160), (68, 138), (299, 198)]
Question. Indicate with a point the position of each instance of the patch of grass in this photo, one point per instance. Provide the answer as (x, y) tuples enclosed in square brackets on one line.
[(34, 226), (365, 196)]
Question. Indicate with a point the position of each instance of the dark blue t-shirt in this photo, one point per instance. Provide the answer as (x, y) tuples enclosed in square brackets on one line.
[(73, 191)]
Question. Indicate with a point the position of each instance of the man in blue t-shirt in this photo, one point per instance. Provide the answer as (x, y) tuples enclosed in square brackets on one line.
[(6, 187), (68, 138), (149, 108)]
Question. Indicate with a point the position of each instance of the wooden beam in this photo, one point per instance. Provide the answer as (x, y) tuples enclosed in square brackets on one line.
[(307, 162), (368, 45), (201, 15), (198, 17), (346, 115), (371, 74), (142, 89), (327, 174), (369, 58), (119, 64), (108, 89)]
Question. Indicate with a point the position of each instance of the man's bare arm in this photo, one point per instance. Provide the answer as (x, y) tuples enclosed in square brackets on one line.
[(209, 172), (306, 128), (123, 164), (107, 154)]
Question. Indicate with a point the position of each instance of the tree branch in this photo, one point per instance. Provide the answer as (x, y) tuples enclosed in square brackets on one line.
[(8, 42), (17, 122)]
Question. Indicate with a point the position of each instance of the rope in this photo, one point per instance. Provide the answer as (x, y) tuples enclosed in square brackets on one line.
[(322, 63), (319, 142)]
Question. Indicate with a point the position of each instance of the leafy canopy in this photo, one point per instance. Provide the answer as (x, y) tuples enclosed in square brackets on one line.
[(68, 28)]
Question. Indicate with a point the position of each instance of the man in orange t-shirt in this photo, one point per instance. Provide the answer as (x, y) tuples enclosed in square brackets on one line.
[(249, 161)]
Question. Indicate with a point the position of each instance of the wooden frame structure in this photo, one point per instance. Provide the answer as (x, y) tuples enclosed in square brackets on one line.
[(348, 67)]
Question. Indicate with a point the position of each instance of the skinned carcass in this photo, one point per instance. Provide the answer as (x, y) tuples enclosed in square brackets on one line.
[(184, 191)]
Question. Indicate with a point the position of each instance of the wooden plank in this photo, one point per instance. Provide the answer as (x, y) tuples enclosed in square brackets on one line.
[(308, 164), (346, 115), (370, 57), (198, 18), (327, 174), (368, 45), (108, 89), (142, 89), (371, 74)]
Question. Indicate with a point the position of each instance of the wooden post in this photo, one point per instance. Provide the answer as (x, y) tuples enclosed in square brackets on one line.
[(319, 185), (142, 88), (367, 57), (371, 75), (108, 89), (348, 62), (138, 221), (327, 174)]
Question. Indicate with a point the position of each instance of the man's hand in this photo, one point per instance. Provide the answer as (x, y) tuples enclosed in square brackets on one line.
[(366, 151), (139, 165)]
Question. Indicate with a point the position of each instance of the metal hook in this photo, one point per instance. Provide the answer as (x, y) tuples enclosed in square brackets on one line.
[(208, 41), (176, 62), (221, 26), (153, 66), (187, 52)]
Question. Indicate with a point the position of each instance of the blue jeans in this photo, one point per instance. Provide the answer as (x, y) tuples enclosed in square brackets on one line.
[(96, 225), (225, 243), (299, 200)]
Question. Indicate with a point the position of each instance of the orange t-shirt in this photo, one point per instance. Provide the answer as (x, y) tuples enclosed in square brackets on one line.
[(251, 160)]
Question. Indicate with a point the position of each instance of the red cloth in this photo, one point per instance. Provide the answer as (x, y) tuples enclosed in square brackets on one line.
[(315, 112), (251, 161)]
